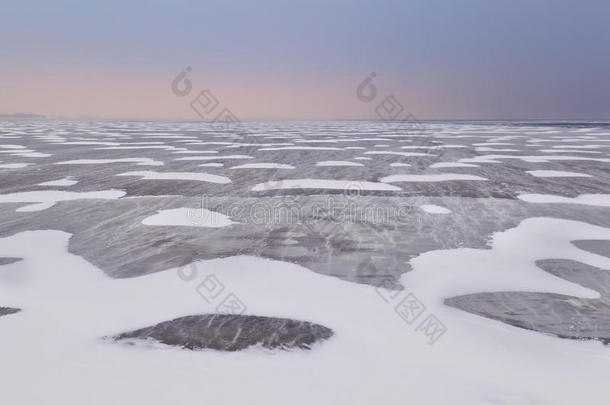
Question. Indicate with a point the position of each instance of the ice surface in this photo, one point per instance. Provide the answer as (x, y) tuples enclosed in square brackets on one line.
[(8, 311), (232, 333), (323, 245), (561, 315), (599, 247), (369, 334)]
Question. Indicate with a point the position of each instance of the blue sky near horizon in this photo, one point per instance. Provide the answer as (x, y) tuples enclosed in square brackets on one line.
[(304, 59)]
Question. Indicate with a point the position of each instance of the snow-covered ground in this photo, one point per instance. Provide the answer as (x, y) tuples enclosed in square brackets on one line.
[(371, 250)]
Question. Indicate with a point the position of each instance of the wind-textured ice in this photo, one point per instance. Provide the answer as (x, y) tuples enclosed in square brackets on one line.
[(8, 260), (246, 193), (355, 200), (8, 311), (562, 315), (231, 333), (282, 214)]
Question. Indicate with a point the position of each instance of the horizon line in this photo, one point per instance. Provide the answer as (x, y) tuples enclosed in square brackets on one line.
[(41, 117)]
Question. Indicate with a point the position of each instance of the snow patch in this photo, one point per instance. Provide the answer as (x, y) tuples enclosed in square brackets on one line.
[(430, 177), (188, 217), (556, 173), (138, 161), (435, 209), (324, 184), (264, 166), (150, 175), (328, 163), (599, 200), (36, 207), (65, 182)]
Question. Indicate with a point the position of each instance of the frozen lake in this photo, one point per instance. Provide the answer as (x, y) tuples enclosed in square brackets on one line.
[(355, 260)]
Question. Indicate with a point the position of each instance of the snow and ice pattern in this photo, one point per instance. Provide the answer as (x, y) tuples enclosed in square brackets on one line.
[(403, 253)]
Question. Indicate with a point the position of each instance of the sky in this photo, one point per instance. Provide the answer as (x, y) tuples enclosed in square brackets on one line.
[(292, 59)]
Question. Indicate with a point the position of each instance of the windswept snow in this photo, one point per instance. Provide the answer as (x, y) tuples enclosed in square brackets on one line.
[(556, 173), (188, 217), (441, 165), (600, 200), (370, 335), (331, 163), (150, 175), (434, 209), (430, 177), (300, 148), (36, 207), (216, 157), (65, 182), (531, 158), (405, 154), (138, 161), (325, 184), (14, 165), (264, 166), (47, 196), (290, 233)]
